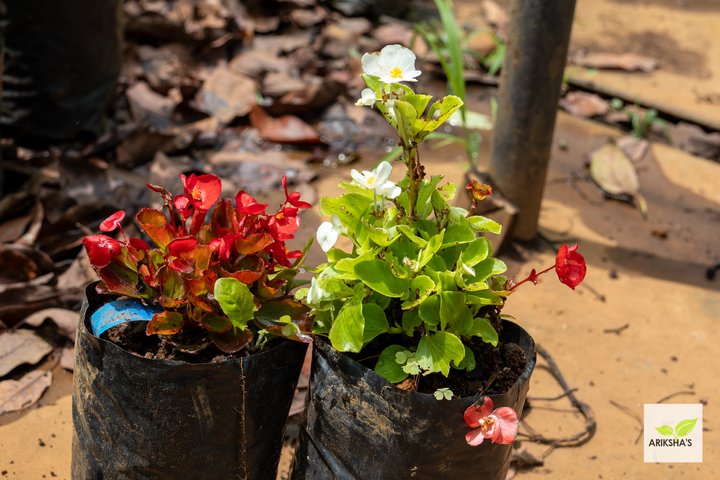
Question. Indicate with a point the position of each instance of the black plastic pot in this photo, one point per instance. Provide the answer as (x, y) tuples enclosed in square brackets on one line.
[(138, 418), (361, 427)]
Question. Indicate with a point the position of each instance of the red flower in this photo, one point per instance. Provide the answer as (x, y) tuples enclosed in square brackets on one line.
[(101, 249), (202, 191), (138, 244), (294, 197), (499, 425), (284, 224), (247, 205), (570, 266), (112, 222), (183, 206)]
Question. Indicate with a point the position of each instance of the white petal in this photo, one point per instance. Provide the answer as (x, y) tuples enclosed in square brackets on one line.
[(382, 173), (360, 178), (370, 63), (390, 190), (327, 236), (367, 98)]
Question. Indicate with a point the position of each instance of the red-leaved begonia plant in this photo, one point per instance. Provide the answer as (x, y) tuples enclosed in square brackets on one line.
[(229, 276)]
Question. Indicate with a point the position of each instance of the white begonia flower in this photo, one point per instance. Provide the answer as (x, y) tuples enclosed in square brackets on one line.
[(367, 98), (389, 190), (376, 180), (392, 64), (328, 233), (316, 293)]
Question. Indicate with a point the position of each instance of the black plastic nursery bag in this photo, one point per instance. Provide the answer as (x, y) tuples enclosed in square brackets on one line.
[(361, 427), (138, 418)]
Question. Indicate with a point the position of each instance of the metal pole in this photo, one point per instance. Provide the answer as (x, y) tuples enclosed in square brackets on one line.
[(527, 105)]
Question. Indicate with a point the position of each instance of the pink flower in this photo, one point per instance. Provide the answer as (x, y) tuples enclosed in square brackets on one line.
[(570, 266), (499, 425), (202, 191), (112, 222)]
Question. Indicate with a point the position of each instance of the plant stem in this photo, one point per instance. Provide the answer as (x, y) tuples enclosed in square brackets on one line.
[(414, 175)]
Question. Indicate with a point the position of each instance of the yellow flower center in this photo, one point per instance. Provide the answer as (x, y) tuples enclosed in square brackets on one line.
[(371, 179), (396, 72)]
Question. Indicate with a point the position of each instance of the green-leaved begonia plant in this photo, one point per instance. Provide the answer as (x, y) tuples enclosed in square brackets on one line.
[(417, 267)]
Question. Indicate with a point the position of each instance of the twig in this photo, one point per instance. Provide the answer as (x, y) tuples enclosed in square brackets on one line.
[(550, 399), (675, 394), (627, 411), (618, 330), (590, 425)]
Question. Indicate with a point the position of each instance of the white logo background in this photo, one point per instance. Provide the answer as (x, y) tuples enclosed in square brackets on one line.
[(660, 414)]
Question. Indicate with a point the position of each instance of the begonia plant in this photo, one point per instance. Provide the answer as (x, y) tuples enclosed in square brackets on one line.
[(420, 276), (228, 278)]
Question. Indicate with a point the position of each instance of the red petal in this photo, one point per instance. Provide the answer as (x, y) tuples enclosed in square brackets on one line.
[(506, 425), (247, 204), (570, 266), (203, 191), (101, 249), (139, 244), (478, 410), (183, 205), (474, 437), (113, 221)]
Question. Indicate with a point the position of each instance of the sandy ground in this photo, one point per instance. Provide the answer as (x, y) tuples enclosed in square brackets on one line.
[(656, 286)]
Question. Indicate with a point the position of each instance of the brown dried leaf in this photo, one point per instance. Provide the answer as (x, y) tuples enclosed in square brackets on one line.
[(67, 358), (255, 63), (20, 394), (21, 215), (18, 347), (401, 33), (634, 147), (622, 61), (226, 95), (584, 104), (613, 171), (495, 15), (306, 17), (284, 129), (66, 320), (150, 107)]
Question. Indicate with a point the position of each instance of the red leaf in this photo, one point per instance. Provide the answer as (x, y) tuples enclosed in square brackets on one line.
[(232, 341), (254, 243), (181, 246), (216, 323), (113, 221), (165, 323), (156, 226)]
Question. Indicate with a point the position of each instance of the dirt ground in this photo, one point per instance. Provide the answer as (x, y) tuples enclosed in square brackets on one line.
[(641, 328)]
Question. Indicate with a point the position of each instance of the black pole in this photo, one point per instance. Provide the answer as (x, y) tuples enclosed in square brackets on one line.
[(527, 104)]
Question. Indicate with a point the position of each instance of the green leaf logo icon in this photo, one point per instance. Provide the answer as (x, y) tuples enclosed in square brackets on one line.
[(665, 430), (684, 427)]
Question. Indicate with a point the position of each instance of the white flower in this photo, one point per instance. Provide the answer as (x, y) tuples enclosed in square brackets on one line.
[(367, 98), (389, 190), (315, 293), (392, 64), (328, 233), (377, 180)]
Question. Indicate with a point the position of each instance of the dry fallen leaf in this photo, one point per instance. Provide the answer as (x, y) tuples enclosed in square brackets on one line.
[(150, 107), (226, 95), (615, 173), (67, 358), (634, 147), (18, 347), (584, 104), (66, 320), (284, 129), (623, 61), (19, 394)]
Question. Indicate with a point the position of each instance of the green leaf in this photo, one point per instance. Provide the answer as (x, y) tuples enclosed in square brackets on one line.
[(481, 296), (410, 321), (424, 204), (458, 233), (487, 268), (236, 300), (441, 349), (216, 323), (429, 311), (346, 333), (475, 252), (430, 250), (406, 116), (377, 275), (420, 286), (418, 101), (452, 308), (481, 224), (443, 394), (375, 321), (350, 208), (481, 327), (684, 427), (665, 430), (438, 114), (388, 368), (408, 232), (468, 362)]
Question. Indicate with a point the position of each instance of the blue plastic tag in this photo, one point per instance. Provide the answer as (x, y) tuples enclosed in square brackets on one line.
[(121, 311)]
